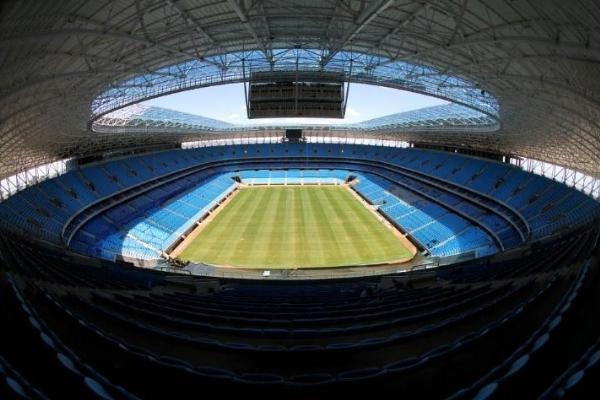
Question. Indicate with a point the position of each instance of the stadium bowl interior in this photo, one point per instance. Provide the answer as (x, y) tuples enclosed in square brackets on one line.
[(149, 253)]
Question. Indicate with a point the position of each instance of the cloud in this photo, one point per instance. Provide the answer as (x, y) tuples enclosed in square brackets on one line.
[(351, 112), (233, 116)]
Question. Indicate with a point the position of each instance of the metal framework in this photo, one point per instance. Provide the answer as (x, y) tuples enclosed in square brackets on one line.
[(33, 176), (241, 66), (63, 63), (580, 181), (145, 119)]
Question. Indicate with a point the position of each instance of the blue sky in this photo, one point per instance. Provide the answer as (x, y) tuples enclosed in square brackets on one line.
[(226, 103)]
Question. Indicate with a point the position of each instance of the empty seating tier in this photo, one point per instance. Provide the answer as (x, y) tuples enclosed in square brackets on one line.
[(448, 204), (521, 326)]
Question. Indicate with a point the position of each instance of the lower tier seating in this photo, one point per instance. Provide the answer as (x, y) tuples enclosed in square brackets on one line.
[(522, 326)]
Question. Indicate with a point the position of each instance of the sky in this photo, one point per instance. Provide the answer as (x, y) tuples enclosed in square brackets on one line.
[(226, 103)]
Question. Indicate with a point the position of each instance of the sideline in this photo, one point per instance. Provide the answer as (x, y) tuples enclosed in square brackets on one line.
[(405, 241), (202, 224)]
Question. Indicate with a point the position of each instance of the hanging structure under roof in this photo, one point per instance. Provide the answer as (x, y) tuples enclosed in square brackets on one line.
[(285, 94)]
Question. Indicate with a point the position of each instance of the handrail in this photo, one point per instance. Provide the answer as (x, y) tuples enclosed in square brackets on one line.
[(168, 268)]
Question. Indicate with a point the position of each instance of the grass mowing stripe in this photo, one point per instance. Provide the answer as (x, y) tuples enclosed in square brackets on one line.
[(271, 225), (368, 228), (224, 231), (336, 227), (325, 226), (291, 222), (386, 246), (354, 230), (254, 228), (328, 227), (314, 238), (378, 245), (210, 242), (231, 227), (304, 222)]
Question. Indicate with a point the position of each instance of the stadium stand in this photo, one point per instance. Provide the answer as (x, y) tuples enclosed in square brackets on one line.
[(138, 216), (140, 332), (497, 185)]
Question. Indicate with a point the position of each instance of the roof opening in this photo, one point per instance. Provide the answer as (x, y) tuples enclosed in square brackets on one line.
[(227, 103)]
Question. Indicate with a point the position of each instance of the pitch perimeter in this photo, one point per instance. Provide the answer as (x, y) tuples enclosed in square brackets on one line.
[(295, 227)]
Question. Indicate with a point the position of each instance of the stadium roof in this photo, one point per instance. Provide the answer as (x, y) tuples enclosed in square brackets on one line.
[(141, 118), (353, 66), (538, 62)]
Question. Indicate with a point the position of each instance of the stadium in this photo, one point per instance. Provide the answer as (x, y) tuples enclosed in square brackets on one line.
[(447, 251)]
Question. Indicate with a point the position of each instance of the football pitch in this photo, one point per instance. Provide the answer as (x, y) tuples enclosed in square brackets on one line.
[(294, 227)]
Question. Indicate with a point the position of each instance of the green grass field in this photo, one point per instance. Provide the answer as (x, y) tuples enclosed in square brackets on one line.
[(295, 226)]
